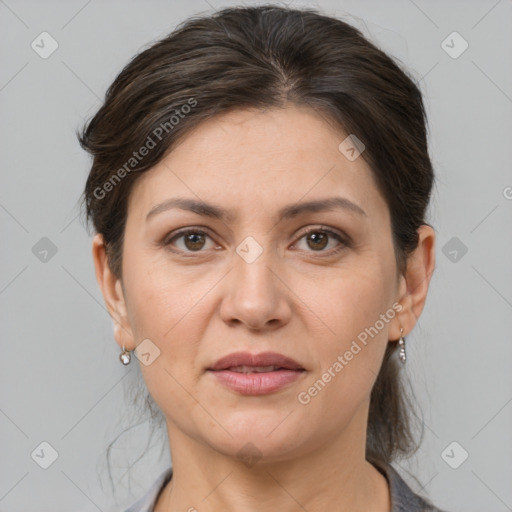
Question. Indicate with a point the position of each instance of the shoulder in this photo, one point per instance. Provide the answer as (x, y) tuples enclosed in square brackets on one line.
[(403, 499), (147, 502)]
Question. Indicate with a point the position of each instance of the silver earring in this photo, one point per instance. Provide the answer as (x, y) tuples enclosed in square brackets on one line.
[(401, 344), (125, 356)]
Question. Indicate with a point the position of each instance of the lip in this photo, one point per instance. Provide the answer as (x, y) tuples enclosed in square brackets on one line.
[(260, 383), (262, 359)]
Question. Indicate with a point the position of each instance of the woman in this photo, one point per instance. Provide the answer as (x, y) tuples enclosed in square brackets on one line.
[(259, 185)]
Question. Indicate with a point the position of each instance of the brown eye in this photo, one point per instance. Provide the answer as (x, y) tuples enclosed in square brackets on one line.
[(318, 239), (192, 240)]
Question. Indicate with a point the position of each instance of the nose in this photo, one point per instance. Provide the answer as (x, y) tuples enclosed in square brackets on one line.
[(255, 294)]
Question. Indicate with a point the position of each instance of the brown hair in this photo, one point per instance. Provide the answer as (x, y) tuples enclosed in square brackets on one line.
[(261, 57)]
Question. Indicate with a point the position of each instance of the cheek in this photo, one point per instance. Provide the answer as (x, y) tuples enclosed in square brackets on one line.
[(348, 300), (171, 309), (348, 361), (167, 309), (351, 331), (161, 298)]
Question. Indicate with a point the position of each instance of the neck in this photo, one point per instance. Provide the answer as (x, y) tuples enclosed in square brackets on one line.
[(328, 477)]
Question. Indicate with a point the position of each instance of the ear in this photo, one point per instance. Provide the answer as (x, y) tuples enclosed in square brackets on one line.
[(112, 290), (414, 284)]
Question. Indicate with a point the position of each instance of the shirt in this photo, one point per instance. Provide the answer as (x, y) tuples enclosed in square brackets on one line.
[(403, 499)]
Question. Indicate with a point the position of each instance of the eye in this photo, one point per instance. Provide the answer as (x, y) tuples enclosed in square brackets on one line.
[(317, 239), (194, 240)]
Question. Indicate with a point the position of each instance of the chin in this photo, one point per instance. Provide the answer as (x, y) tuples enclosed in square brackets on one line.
[(258, 434)]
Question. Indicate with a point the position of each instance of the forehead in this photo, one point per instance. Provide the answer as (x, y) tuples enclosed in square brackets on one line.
[(257, 160)]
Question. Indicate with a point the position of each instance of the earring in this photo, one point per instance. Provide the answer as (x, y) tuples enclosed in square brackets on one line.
[(401, 344), (125, 356)]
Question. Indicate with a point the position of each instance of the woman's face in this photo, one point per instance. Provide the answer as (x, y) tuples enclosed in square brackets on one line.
[(256, 282)]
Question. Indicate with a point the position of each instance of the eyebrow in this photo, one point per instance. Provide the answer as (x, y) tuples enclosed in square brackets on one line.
[(287, 212)]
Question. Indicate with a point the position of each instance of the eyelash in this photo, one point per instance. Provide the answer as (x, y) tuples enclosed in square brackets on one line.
[(344, 242)]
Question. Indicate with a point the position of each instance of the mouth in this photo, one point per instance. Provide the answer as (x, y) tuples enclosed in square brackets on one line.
[(256, 369), (256, 374), (245, 362)]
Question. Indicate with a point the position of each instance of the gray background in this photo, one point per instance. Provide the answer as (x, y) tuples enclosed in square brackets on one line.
[(61, 380)]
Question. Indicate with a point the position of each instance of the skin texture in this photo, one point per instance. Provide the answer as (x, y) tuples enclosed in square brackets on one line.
[(296, 298)]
